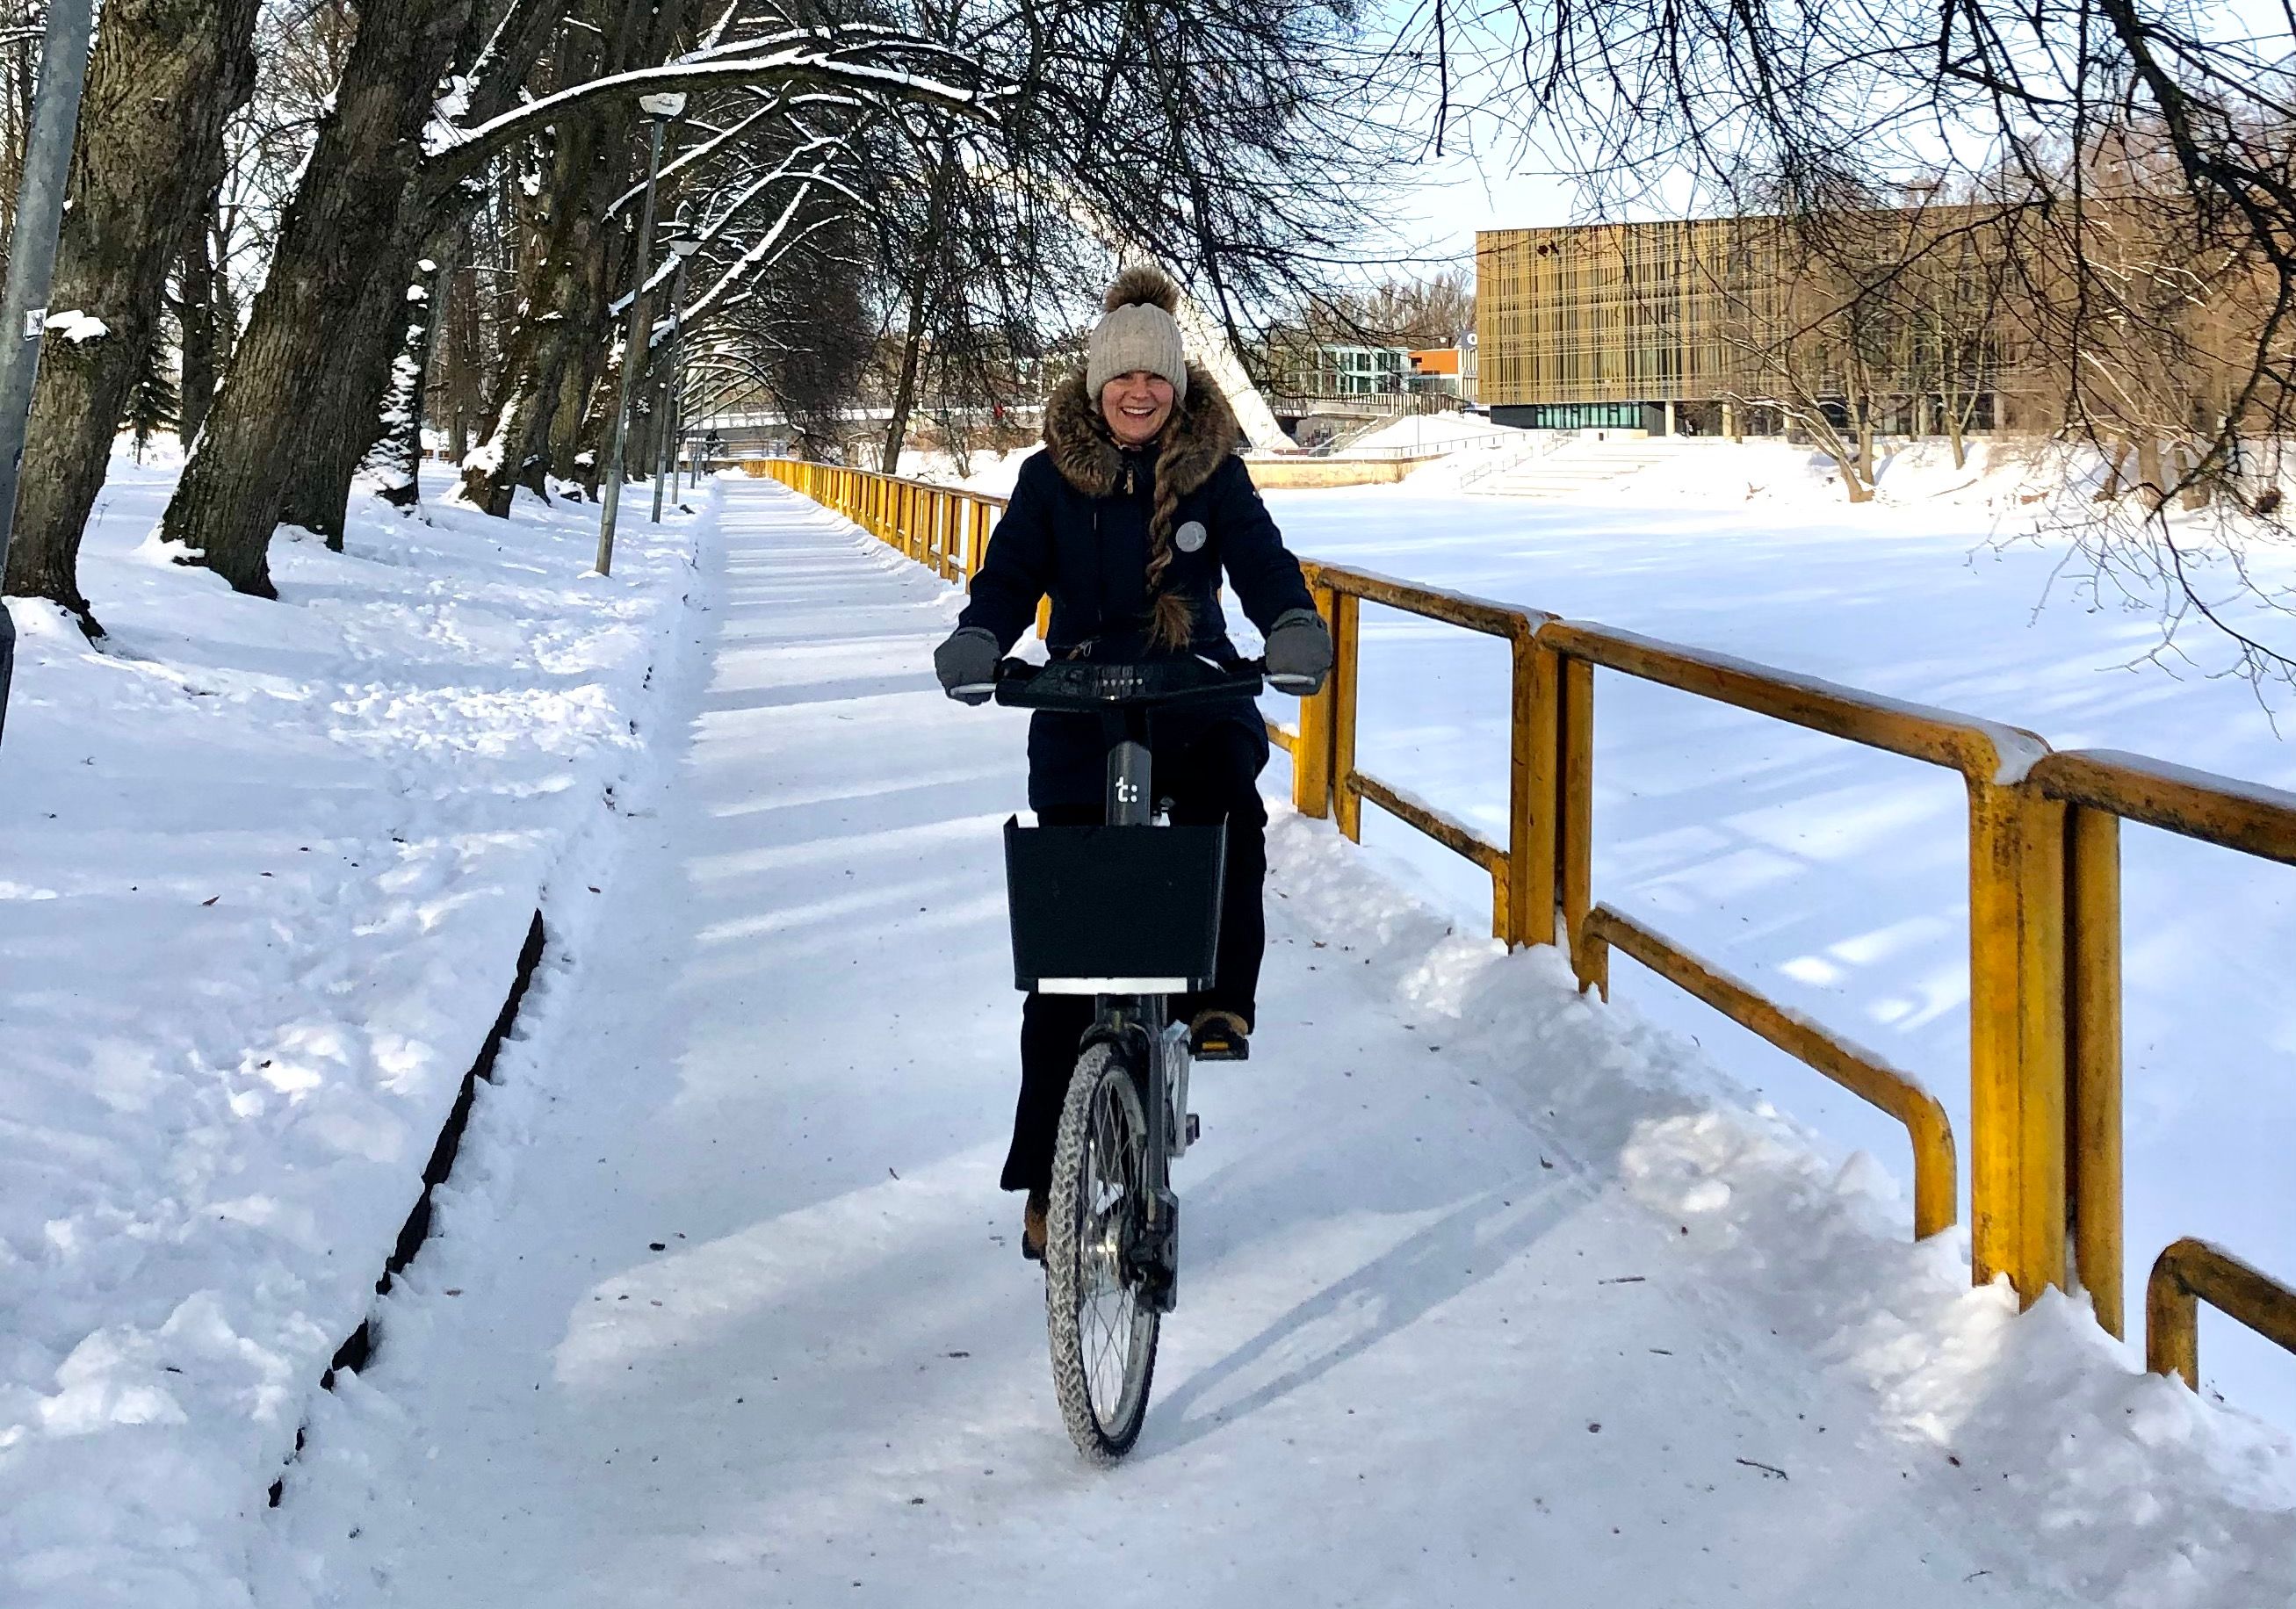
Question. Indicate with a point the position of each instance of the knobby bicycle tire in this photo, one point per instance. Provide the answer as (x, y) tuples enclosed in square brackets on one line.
[(1103, 1341)]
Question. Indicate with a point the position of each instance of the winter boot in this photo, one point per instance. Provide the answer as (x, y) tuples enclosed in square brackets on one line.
[(1033, 1225), (1219, 1036)]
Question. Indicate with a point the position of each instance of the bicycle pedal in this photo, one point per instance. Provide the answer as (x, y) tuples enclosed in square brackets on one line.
[(1224, 1050), (1195, 1128)]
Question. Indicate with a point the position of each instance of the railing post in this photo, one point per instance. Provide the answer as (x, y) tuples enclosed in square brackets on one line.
[(1575, 820), (1347, 665), (2093, 1138), (1311, 752), (2172, 1322), (1532, 791), (2017, 1104)]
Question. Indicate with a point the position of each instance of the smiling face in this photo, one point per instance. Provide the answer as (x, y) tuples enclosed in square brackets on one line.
[(1135, 406)]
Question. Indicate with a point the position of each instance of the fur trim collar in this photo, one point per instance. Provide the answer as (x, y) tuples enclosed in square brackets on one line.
[(1202, 433)]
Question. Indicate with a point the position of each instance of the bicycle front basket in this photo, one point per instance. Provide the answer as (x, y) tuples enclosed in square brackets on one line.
[(1114, 910)]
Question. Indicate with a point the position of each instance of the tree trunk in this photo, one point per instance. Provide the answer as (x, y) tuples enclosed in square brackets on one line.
[(336, 231), (165, 76), (343, 417), (461, 366), (463, 386), (397, 456), (905, 390), (2151, 483), (203, 360)]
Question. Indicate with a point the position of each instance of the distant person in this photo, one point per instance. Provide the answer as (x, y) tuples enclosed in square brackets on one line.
[(1127, 520)]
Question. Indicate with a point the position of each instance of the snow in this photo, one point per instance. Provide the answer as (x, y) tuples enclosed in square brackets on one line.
[(266, 869), (992, 472), (1524, 1295), (1834, 878), (77, 327), (1507, 1288), (1434, 433)]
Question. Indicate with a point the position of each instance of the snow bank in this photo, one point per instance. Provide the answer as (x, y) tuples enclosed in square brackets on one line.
[(265, 871), (2036, 1435), (1833, 877)]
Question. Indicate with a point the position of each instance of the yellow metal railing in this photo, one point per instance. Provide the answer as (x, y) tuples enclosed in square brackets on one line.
[(1521, 870), (2191, 1272), (2044, 885), (1936, 1190), (2099, 790), (943, 528)]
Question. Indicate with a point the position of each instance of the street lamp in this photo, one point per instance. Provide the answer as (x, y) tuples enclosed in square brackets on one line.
[(684, 241), (660, 111), (32, 261)]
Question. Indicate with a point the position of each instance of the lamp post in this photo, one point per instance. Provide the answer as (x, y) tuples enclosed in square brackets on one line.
[(32, 261), (684, 241), (661, 112)]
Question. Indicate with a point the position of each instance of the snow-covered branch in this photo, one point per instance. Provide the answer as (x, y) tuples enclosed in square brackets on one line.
[(454, 151)]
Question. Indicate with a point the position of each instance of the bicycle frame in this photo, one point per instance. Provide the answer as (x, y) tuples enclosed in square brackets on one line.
[(1135, 1026)]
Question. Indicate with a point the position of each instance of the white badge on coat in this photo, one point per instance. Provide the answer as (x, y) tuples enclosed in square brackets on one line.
[(1190, 537)]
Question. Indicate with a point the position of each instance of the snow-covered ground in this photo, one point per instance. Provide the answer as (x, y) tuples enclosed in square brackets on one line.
[(265, 871), (1518, 1295), (1489, 1294), (1834, 877)]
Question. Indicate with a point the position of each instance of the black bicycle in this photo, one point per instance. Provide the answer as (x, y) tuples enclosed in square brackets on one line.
[(1129, 913)]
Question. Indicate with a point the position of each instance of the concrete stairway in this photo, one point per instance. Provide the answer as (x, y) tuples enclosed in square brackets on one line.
[(1576, 469)]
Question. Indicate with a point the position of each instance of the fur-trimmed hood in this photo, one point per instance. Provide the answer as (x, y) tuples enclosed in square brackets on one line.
[(1200, 434)]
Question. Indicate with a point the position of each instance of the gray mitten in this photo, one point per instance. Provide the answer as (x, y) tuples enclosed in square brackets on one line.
[(1299, 652), (966, 664)]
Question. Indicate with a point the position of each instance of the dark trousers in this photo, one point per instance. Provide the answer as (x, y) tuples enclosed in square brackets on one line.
[(1213, 780)]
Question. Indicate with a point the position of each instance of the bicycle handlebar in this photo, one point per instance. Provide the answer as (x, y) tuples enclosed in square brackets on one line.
[(1085, 686)]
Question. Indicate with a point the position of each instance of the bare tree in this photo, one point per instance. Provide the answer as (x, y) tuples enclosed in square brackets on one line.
[(383, 165), (165, 75), (2140, 156)]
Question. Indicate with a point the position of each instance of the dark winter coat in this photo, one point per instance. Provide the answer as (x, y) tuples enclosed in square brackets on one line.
[(1087, 520)]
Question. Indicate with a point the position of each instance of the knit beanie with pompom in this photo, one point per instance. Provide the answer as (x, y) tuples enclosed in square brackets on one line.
[(1138, 332)]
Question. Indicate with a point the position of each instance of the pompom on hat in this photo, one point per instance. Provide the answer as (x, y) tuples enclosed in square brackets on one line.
[(1138, 332)]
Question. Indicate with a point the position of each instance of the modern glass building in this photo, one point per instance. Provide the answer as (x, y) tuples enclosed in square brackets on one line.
[(1733, 325)]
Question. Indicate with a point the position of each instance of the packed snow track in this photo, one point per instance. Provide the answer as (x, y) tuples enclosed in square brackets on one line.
[(1481, 1301)]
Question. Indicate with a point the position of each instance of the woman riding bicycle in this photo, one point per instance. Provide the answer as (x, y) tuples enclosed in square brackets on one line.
[(1127, 520)]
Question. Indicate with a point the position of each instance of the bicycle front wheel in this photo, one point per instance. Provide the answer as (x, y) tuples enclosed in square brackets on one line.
[(1103, 1332)]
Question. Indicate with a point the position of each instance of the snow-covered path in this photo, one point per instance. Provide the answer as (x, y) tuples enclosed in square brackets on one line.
[(1479, 1306)]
